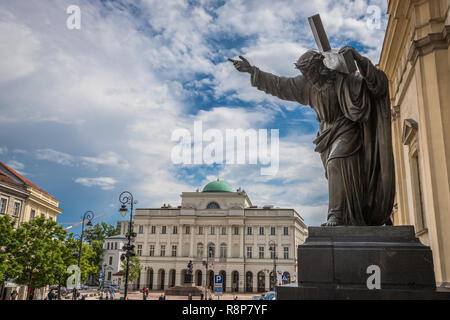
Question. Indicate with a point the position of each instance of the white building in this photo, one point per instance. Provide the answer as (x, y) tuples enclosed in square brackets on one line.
[(111, 265), (237, 232)]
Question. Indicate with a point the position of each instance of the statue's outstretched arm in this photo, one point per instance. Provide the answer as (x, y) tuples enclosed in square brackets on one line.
[(290, 89)]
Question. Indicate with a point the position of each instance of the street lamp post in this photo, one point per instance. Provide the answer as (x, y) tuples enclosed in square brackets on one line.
[(88, 215), (209, 252), (274, 255), (127, 198), (104, 275)]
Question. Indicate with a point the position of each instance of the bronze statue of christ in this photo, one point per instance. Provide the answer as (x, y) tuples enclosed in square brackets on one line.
[(354, 138)]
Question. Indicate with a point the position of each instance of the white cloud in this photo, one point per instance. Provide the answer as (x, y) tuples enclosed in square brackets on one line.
[(55, 156), (105, 183), (16, 165), (106, 158)]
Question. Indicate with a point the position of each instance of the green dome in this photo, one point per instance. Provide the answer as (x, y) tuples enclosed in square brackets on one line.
[(217, 186)]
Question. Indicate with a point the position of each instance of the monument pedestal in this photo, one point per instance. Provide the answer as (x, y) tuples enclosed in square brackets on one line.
[(336, 263), (184, 290)]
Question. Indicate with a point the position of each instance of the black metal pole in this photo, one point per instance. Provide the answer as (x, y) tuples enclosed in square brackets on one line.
[(127, 199), (87, 215)]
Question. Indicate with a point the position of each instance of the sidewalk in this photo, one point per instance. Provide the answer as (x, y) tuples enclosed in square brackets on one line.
[(154, 295)]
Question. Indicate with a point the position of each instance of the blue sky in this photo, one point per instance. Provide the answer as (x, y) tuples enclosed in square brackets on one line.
[(88, 113)]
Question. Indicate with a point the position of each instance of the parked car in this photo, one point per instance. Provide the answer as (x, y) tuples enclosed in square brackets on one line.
[(270, 295), (257, 297)]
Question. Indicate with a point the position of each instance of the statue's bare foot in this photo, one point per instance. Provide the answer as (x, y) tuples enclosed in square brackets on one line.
[(332, 222)]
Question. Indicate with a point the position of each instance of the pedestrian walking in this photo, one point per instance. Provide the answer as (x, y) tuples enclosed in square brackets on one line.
[(101, 296), (202, 296), (144, 293), (14, 295), (190, 296), (107, 296)]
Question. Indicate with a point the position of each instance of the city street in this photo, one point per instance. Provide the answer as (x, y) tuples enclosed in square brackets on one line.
[(135, 295)]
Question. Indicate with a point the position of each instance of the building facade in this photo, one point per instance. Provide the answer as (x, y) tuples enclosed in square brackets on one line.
[(221, 232), (28, 201), (111, 265), (416, 59), (23, 200)]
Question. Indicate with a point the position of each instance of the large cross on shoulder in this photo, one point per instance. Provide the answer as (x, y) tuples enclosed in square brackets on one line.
[(334, 60)]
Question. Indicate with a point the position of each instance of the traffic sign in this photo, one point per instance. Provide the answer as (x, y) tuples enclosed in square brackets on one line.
[(218, 279), (218, 291)]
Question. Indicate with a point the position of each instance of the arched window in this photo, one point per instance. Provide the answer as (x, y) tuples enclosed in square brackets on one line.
[(213, 205), (200, 250), (223, 250)]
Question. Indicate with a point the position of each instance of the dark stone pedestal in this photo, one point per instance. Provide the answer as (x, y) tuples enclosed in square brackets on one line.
[(333, 264), (184, 290)]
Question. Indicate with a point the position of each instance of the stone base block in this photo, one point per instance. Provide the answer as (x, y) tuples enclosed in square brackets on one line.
[(339, 262), (184, 290)]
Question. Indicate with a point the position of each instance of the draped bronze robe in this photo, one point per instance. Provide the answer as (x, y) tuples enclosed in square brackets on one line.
[(355, 132)]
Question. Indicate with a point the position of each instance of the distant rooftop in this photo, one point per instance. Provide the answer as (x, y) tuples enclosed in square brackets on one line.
[(10, 175)]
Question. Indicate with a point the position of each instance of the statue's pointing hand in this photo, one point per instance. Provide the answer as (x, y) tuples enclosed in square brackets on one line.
[(241, 66)]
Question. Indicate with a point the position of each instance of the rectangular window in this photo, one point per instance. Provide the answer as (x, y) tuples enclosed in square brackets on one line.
[(115, 246), (249, 231), (174, 251), (286, 231), (108, 246), (272, 231), (16, 209), (110, 260), (152, 250), (213, 230), (188, 230), (286, 252), (153, 229), (223, 251), (163, 251), (224, 230), (163, 229), (32, 214), (141, 229), (109, 276), (236, 230), (249, 252), (42, 215), (200, 230), (175, 229), (139, 250), (261, 231), (261, 252), (3, 204)]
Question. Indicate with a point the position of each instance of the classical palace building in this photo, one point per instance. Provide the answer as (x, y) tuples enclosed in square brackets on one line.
[(224, 229), (23, 201), (416, 59)]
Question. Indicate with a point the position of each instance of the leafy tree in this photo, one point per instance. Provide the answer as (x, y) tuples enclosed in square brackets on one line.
[(134, 268), (70, 251), (9, 268), (39, 252), (100, 231), (96, 236)]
